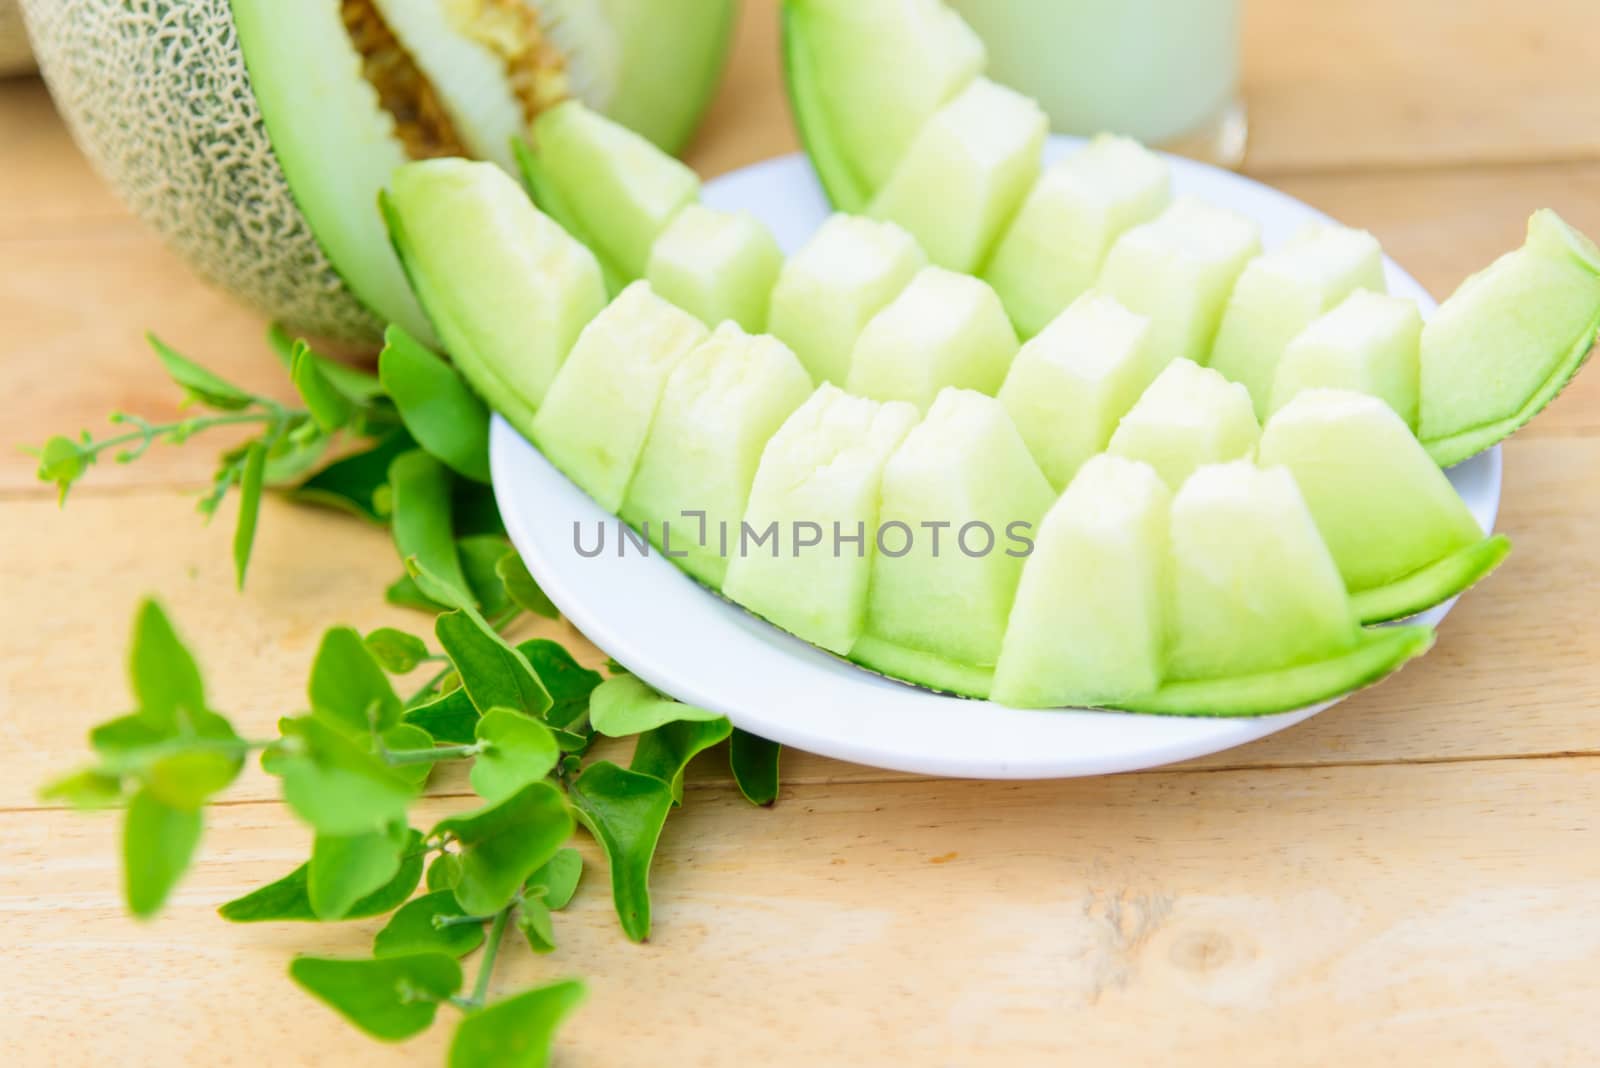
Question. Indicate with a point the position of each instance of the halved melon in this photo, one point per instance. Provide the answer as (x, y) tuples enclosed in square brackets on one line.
[(1369, 343), (1190, 416), (717, 265)]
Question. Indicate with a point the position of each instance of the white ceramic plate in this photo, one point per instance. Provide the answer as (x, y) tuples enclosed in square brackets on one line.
[(691, 644)]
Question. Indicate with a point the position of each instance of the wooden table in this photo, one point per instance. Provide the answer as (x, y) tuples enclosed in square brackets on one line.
[(1412, 877)]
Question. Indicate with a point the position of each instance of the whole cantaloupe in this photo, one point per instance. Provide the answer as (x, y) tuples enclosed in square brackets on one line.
[(15, 55)]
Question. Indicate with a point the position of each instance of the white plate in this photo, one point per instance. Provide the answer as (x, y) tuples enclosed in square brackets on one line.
[(693, 645)]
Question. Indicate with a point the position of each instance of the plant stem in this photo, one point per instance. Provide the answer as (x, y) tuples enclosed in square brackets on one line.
[(461, 921), (491, 950), (150, 431), (397, 758)]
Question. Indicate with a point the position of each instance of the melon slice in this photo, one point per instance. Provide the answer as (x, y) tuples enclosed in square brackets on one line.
[(956, 495), (966, 174), (597, 413), (1382, 505), (1506, 342), (944, 329), (506, 288), (818, 482), (1179, 269), (1087, 627), (1054, 248), (717, 265), (1279, 295), (828, 290), (721, 404), (1190, 416), (1369, 344), (1069, 386)]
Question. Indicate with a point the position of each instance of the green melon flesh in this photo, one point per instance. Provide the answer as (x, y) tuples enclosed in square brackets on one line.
[(1254, 588), (506, 288), (1069, 386), (1506, 342), (1369, 344), (944, 329), (721, 405), (1087, 627), (822, 467), (597, 414), (943, 605), (1189, 416), (966, 174), (717, 265), (1179, 269), (826, 292), (1054, 248)]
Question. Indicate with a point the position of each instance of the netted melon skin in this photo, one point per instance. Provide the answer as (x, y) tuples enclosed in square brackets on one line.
[(15, 55), (157, 96)]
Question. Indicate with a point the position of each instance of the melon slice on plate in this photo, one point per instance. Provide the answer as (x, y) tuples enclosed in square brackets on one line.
[(1189, 416), (828, 290), (944, 329), (1069, 386), (1088, 624), (1056, 244), (597, 414), (1401, 535), (817, 490), (722, 403), (1508, 340), (717, 265), (1369, 343), (1279, 295), (1179, 269), (966, 174), (957, 493)]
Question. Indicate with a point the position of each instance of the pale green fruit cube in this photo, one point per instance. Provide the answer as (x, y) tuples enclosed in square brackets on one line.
[(1190, 416), (1369, 344), (718, 266)]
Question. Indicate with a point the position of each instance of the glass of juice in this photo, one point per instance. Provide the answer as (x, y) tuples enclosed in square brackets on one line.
[(1163, 71)]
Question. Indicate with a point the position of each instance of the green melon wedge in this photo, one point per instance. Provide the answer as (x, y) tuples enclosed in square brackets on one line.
[(717, 265), (1369, 343), (1190, 416)]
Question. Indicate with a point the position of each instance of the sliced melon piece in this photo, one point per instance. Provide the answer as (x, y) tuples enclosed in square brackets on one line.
[(1279, 295), (717, 265), (822, 467), (1422, 589), (828, 290), (1179, 269), (1069, 386), (947, 564), (1254, 588), (597, 414), (1189, 416), (507, 289), (1369, 344), (721, 404), (1054, 248), (1506, 342), (966, 174), (944, 329), (1087, 627)]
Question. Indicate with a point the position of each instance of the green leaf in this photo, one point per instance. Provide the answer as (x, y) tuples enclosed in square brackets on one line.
[(422, 524), (204, 386), (516, 750), (404, 592), (533, 920), (332, 783), (128, 745), (665, 752), (494, 674), (413, 930), (754, 762), (396, 651), (63, 461), (191, 772), (164, 676), (557, 881), (158, 841), (328, 407), (351, 484), (437, 405), (88, 790), (360, 386), (568, 682), (516, 1032), (244, 531), (625, 810), (346, 868), (504, 843), (475, 510), (450, 718), (445, 872), (407, 737), (348, 688), (480, 558), (522, 589), (289, 898), (624, 705), (389, 998)]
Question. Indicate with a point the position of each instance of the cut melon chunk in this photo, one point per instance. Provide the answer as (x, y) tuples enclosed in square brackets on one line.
[(721, 405), (1179, 269), (1279, 295), (1087, 627), (1069, 386), (1189, 416), (1369, 344), (1508, 340), (1254, 588), (817, 489), (956, 495), (598, 412), (944, 329), (717, 265), (966, 174), (1054, 248), (506, 288), (828, 290)]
